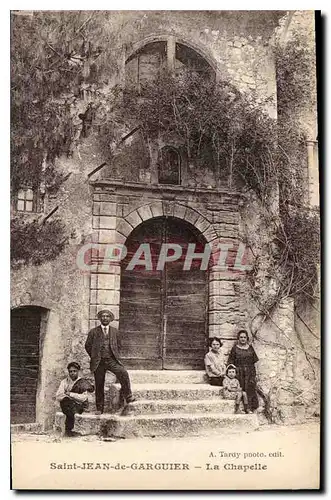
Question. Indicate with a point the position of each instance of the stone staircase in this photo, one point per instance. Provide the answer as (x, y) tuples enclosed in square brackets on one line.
[(169, 404)]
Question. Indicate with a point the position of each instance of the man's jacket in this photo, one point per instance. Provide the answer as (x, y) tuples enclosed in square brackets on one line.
[(94, 343)]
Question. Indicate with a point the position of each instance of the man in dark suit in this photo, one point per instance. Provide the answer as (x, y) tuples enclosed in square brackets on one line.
[(101, 346)]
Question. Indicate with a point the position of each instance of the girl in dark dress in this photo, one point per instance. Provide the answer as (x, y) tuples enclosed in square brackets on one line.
[(244, 357)]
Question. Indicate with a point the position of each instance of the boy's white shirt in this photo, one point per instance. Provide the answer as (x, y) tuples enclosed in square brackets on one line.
[(66, 385)]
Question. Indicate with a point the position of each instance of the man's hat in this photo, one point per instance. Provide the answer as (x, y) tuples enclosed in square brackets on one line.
[(106, 311)]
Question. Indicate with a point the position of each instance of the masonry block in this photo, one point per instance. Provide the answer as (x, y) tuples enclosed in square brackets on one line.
[(168, 208), (104, 197), (109, 297), (105, 281), (157, 209), (210, 234), (223, 318), (107, 208), (123, 227), (96, 208), (202, 224), (134, 219), (218, 287), (107, 222), (223, 303), (179, 211), (191, 216), (229, 330), (145, 212), (107, 236), (214, 331), (95, 222), (109, 268), (93, 297), (226, 230)]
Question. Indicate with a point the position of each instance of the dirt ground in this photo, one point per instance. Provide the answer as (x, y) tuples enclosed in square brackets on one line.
[(281, 457)]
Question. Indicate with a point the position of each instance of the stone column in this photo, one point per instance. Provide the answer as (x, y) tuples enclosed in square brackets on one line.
[(105, 292), (225, 312), (171, 53), (224, 303), (105, 277), (313, 177)]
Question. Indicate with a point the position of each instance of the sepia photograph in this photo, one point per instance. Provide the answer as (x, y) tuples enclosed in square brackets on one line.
[(164, 250)]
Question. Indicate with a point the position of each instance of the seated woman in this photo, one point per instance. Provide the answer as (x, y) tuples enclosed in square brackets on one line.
[(72, 396), (232, 389), (215, 362), (244, 357)]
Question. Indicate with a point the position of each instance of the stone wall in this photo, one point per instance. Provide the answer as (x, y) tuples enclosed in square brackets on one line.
[(236, 45), (288, 347)]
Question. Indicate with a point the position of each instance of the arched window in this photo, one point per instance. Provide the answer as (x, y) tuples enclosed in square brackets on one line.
[(146, 64), (169, 166), (25, 199)]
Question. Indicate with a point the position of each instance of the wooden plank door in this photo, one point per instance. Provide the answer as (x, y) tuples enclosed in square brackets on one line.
[(185, 305), (24, 369), (140, 303), (163, 313)]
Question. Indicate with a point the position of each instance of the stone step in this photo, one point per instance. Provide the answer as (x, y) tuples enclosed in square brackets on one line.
[(175, 391), (161, 406), (33, 427), (168, 376), (167, 425), (151, 392)]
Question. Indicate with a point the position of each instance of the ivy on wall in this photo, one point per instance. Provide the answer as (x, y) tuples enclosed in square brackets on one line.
[(216, 124)]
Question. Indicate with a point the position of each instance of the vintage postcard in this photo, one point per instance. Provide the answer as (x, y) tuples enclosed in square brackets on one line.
[(165, 242)]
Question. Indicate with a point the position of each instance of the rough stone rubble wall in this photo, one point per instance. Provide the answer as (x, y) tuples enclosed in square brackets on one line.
[(239, 47)]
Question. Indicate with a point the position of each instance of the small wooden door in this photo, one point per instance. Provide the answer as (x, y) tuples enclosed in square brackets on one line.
[(25, 334), (163, 314)]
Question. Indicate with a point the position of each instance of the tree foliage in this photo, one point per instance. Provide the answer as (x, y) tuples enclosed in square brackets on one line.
[(53, 55), (34, 243)]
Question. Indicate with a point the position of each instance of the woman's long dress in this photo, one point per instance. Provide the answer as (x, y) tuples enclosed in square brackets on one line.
[(244, 360)]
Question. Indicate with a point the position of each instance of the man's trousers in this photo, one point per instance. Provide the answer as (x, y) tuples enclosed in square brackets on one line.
[(99, 376), (69, 407)]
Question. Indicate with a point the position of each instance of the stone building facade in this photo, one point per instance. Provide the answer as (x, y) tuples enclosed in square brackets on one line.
[(55, 304)]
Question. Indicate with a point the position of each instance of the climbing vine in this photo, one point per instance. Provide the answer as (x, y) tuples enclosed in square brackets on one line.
[(215, 124)]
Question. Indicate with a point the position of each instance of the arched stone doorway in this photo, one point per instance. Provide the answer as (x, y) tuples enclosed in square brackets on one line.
[(28, 325), (163, 313)]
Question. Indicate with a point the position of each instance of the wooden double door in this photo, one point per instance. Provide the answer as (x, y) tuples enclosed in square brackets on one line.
[(163, 313), (25, 335)]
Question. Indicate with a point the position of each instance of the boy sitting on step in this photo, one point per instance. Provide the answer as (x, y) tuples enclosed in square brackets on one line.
[(232, 389), (72, 396)]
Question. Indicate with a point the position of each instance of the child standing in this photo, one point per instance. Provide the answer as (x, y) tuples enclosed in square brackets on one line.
[(232, 389)]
